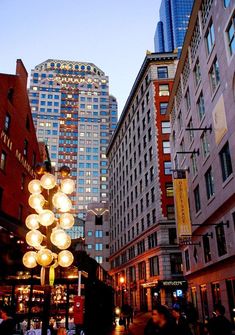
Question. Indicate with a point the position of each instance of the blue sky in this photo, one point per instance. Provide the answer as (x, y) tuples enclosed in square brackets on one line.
[(113, 34)]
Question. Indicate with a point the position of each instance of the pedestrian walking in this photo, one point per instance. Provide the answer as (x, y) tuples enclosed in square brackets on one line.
[(219, 324), (161, 323), (7, 326), (126, 312), (182, 326)]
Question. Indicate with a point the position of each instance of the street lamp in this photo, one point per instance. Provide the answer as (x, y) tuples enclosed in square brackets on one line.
[(47, 237), (121, 282)]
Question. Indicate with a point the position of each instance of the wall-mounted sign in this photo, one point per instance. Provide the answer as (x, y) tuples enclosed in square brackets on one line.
[(183, 221)]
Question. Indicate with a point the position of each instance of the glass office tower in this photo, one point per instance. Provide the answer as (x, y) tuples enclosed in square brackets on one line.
[(170, 30)]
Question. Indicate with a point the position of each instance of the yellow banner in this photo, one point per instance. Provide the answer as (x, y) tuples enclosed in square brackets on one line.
[(183, 221)]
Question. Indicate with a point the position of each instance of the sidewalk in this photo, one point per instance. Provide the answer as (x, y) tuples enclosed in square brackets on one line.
[(136, 328)]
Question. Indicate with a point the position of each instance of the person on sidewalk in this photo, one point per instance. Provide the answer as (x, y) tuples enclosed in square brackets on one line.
[(182, 326), (7, 326), (219, 324), (126, 311), (161, 322)]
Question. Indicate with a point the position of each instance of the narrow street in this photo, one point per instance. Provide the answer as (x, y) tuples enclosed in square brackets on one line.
[(136, 328)]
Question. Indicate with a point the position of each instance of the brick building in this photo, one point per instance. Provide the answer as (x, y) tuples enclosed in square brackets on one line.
[(19, 152)]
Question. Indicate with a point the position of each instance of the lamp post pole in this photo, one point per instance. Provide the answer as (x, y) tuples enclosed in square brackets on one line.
[(47, 230)]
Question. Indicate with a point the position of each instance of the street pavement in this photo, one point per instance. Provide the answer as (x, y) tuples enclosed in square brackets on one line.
[(136, 328)]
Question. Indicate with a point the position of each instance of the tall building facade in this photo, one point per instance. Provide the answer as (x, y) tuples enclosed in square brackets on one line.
[(202, 108), (171, 29), (75, 114), (145, 259)]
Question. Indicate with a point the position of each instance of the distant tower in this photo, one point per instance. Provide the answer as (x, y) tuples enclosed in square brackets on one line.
[(75, 115), (174, 18)]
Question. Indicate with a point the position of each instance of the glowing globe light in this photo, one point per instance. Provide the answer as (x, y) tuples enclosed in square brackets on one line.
[(36, 200), (67, 186), (65, 244), (34, 186), (39, 209), (29, 259), (62, 202), (66, 221), (46, 217), (44, 257), (65, 258), (32, 221), (48, 181), (34, 238), (58, 237)]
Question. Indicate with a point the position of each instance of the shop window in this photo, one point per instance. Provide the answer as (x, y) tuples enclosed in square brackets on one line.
[(204, 302), (230, 285), (216, 294)]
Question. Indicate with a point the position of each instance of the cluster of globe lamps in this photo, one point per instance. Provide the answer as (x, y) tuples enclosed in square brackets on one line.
[(57, 199)]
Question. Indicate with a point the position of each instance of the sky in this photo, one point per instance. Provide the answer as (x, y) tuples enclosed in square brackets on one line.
[(112, 34)]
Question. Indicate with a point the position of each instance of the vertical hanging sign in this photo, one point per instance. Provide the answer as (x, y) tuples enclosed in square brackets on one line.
[(183, 221)]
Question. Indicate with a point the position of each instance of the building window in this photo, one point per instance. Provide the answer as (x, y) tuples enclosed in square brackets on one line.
[(25, 149), (132, 273), (187, 261), (172, 236), (169, 190), (210, 38), (152, 240), (166, 147), (231, 35), (187, 100), (163, 107), (197, 199), (190, 132), (99, 259), (225, 162), (214, 75), (209, 183), (176, 264), (221, 241), (205, 145), (154, 266), (3, 161), (142, 270), (170, 212), (98, 220), (166, 127), (194, 164), (98, 246), (206, 247), (99, 233), (164, 90), (226, 3), (162, 72), (197, 73), (7, 123), (167, 168), (201, 106)]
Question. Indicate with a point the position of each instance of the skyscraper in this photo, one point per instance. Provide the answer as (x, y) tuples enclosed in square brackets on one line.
[(74, 113), (170, 30)]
